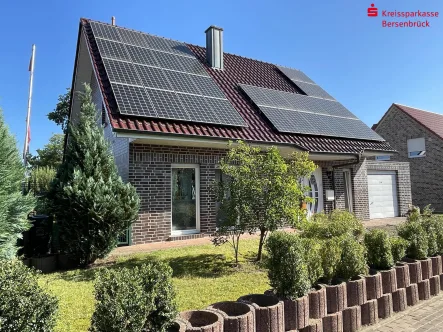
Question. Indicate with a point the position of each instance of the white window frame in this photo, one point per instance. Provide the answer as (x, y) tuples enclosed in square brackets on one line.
[(416, 146), (383, 158), (348, 187), (197, 200)]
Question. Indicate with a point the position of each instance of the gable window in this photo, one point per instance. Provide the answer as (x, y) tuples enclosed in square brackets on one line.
[(416, 147)]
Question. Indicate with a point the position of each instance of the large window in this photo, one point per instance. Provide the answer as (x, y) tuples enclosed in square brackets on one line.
[(416, 147), (220, 178)]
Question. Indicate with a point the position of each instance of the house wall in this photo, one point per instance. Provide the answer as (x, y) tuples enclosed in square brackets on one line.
[(427, 172)]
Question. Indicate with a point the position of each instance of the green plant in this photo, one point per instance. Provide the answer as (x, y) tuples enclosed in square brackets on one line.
[(91, 203), (353, 260), (398, 247), (414, 233), (379, 249), (287, 269), (431, 225), (335, 224), (312, 251), (14, 206), (137, 299), (24, 305), (331, 252), (267, 187), (41, 179)]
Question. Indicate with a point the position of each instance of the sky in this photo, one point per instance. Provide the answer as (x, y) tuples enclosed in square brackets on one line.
[(362, 64)]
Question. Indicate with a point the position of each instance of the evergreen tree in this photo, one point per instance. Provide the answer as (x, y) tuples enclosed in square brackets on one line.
[(14, 206), (91, 203)]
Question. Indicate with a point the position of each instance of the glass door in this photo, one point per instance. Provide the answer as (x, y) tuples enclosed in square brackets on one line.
[(185, 199)]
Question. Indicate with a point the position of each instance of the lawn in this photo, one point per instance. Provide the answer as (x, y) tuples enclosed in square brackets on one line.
[(202, 275)]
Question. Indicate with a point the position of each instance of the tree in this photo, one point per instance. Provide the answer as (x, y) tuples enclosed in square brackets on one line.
[(268, 188), (60, 114), (91, 203), (14, 206), (51, 155)]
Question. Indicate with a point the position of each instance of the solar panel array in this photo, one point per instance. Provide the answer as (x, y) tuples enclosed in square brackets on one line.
[(307, 85), (295, 113), (160, 78)]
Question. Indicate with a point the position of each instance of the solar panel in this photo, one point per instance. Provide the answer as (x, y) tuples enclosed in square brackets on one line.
[(308, 115), (295, 75), (313, 90), (172, 83)]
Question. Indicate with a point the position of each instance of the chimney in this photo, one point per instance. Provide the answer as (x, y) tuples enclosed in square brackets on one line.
[(113, 20), (214, 46)]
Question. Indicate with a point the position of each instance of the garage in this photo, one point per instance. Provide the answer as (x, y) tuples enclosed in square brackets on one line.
[(382, 192)]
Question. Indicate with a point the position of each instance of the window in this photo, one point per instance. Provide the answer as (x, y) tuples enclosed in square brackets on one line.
[(383, 158), (416, 147), (220, 178), (347, 181)]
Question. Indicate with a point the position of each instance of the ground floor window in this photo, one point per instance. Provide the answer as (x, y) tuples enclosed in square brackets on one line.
[(185, 191), (347, 183)]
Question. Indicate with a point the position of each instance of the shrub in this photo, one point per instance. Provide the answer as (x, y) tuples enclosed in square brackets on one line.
[(331, 251), (352, 261), (431, 226), (137, 299), (415, 234), (398, 247), (24, 305), (41, 179), (287, 269), (337, 223), (379, 250), (312, 252)]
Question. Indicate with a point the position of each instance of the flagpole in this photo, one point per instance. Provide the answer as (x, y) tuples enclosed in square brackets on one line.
[(28, 116)]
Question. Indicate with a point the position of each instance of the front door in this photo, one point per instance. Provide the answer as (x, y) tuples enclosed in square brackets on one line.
[(315, 184), (185, 199)]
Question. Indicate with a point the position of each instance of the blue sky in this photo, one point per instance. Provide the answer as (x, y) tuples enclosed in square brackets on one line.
[(363, 65)]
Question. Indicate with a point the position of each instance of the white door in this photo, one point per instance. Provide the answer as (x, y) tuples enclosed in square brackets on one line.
[(382, 192), (316, 191)]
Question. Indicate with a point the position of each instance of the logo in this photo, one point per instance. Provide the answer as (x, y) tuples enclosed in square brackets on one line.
[(372, 11)]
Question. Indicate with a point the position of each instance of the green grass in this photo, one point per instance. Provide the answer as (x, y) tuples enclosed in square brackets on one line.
[(202, 275)]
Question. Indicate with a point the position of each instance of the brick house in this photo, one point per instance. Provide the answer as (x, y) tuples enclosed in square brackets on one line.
[(170, 108), (417, 135)]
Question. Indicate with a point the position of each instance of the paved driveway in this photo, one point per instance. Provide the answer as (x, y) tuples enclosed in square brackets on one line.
[(384, 222), (425, 316)]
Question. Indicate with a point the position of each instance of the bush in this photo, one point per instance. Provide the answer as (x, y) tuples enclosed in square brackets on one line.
[(431, 226), (331, 251), (379, 249), (352, 261), (137, 299), (41, 179), (24, 305), (287, 269), (337, 223), (312, 252), (415, 234), (398, 247)]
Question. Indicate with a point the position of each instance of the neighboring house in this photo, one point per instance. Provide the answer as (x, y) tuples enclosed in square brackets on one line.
[(170, 108), (417, 135)]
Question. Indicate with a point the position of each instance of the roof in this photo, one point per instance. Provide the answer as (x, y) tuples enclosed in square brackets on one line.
[(237, 70)]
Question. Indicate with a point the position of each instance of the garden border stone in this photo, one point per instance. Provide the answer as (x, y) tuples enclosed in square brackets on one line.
[(269, 312), (412, 294), (389, 280), (403, 278), (204, 320), (351, 319), (237, 316), (373, 285), (415, 274), (399, 300), (369, 312), (384, 305), (315, 325), (434, 284), (336, 297), (333, 322), (356, 291), (436, 266), (424, 290), (426, 268), (318, 303), (178, 325)]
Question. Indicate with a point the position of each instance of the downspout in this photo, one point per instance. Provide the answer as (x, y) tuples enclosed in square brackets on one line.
[(355, 162)]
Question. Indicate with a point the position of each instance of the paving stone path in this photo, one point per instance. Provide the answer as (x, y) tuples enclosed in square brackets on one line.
[(425, 316)]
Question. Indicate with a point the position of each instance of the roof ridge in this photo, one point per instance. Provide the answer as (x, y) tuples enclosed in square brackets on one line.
[(418, 109)]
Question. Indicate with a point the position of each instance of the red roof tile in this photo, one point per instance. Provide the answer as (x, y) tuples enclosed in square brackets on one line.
[(237, 70), (432, 121)]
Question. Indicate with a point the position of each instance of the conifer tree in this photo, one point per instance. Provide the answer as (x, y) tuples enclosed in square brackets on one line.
[(14, 206), (91, 203)]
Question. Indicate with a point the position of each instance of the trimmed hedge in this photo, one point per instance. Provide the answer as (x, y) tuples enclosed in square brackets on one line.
[(379, 249)]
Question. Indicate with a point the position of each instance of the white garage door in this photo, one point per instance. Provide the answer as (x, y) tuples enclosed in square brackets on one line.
[(382, 191)]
